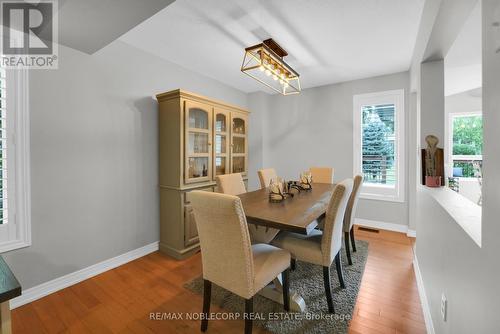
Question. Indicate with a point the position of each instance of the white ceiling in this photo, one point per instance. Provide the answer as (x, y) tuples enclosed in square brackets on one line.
[(463, 63), (328, 41), (92, 24)]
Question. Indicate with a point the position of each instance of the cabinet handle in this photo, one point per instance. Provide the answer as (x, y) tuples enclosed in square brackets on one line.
[(209, 144)]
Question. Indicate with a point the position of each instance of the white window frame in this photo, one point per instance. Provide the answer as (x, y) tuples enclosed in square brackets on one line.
[(372, 191), (16, 233), (449, 144)]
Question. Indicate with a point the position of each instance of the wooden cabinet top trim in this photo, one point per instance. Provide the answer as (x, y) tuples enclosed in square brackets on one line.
[(180, 93)]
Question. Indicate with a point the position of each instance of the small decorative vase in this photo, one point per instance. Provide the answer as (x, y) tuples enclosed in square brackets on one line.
[(433, 181)]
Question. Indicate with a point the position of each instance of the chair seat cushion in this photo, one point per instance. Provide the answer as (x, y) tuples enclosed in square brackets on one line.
[(269, 262), (302, 247)]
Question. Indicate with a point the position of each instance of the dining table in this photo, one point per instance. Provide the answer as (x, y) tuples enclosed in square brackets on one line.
[(298, 213)]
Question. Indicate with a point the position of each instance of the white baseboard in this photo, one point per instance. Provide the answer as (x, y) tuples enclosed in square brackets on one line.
[(386, 226), (423, 297), (59, 283), (411, 233), (381, 225)]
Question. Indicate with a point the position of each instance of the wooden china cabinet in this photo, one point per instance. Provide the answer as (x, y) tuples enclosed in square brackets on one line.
[(199, 138)]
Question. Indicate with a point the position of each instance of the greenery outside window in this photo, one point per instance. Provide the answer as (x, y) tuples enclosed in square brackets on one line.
[(466, 154), (379, 144)]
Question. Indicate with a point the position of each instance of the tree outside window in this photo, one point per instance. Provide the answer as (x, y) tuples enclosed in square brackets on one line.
[(378, 144)]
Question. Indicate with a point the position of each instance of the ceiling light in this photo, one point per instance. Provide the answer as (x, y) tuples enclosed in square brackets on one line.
[(268, 58)]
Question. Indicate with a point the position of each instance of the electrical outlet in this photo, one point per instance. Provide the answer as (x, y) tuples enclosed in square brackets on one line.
[(444, 306)]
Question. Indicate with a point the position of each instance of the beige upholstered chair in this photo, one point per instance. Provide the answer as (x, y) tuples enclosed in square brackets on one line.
[(318, 247), (228, 258), (259, 233), (349, 216), (322, 174), (232, 184), (265, 176)]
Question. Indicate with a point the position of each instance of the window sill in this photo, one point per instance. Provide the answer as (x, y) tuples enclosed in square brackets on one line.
[(466, 213), (13, 245), (385, 198)]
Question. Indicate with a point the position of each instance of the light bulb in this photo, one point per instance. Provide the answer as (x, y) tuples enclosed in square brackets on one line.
[(268, 73), (261, 68), (275, 77), (281, 81)]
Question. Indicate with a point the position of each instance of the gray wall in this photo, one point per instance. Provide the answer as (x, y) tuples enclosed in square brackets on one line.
[(316, 128), (468, 101), (449, 260), (94, 157), (432, 101)]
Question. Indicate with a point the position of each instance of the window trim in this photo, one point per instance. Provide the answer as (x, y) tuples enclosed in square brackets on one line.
[(450, 157), (18, 104), (375, 191)]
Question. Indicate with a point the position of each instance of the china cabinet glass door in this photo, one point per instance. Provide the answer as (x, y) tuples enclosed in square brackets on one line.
[(221, 142), (198, 141), (239, 143)]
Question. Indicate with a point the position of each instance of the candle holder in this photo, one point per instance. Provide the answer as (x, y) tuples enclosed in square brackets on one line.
[(278, 190), (306, 180)]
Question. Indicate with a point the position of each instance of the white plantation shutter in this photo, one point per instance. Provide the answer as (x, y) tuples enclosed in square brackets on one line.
[(15, 210), (379, 144), (3, 150)]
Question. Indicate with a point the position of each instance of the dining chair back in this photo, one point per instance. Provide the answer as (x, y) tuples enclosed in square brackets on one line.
[(331, 243), (322, 247), (231, 184), (224, 241), (322, 174), (228, 258), (265, 176), (349, 216)]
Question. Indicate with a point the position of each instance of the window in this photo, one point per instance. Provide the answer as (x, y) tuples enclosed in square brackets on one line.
[(14, 161), (379, 144), (465, 144)]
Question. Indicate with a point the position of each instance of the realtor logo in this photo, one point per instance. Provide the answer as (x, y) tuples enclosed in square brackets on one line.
[(29, 34)]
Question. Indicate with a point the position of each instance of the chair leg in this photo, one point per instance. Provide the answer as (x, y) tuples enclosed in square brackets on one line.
[(338, 264), (347, 247), (286, 289), (328, 289), (293, 264), (207, 293), (248, 315), (353, 242)]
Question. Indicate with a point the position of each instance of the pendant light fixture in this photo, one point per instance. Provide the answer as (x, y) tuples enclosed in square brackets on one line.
[(264, 62)]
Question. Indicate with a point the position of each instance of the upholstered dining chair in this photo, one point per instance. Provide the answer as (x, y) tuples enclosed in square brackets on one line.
[(228, 258), (265, 176), (232, 184), (349, 216), (321, 248), (322, 174)]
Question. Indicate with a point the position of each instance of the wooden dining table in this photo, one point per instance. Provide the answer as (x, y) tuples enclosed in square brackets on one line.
[(298, 214)]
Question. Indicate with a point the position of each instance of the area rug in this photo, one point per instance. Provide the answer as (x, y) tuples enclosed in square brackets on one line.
[(307, 281)]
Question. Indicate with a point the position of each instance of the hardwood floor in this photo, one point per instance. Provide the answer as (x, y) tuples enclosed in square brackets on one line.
[(122, 300)]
